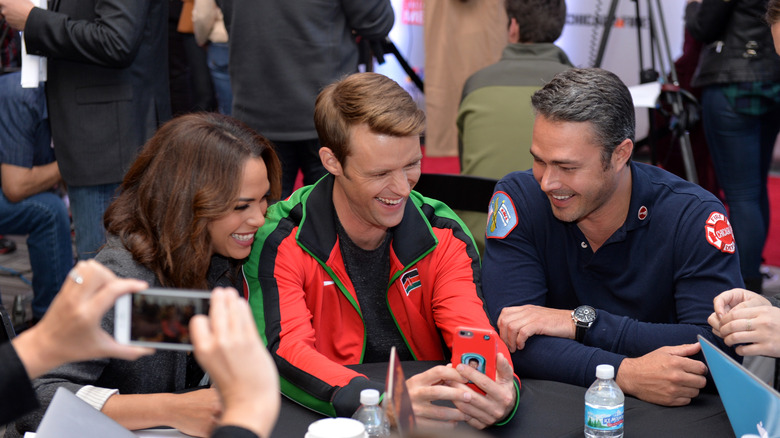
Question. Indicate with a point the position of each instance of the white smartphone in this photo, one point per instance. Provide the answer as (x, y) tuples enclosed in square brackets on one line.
[(158, 318)]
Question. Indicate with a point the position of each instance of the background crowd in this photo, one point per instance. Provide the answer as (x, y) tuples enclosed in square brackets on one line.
[(231, 100)]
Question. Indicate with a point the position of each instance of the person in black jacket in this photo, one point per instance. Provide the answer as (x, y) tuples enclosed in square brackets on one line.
[(107, 92), (739, 72)]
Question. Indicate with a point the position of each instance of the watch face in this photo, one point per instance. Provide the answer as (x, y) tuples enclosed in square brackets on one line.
[(585, 314)]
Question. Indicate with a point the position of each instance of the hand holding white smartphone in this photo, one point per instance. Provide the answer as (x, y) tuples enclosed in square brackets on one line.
[(158, 318)]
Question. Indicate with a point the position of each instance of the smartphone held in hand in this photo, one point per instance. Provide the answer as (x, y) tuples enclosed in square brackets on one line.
[(476, 348), (158, 318)]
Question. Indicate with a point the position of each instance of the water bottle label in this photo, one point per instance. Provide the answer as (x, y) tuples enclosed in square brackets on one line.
[(603, 419)]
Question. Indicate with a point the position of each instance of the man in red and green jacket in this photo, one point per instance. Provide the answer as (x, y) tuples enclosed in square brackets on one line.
[(358, 263)]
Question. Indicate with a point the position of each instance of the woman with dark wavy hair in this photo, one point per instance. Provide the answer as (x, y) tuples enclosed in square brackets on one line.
[(186, 216), (178, 191)]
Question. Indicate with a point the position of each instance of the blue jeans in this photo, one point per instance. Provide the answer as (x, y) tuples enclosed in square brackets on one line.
[(218, 56), (741, 148), (87, 205), (44, 219)]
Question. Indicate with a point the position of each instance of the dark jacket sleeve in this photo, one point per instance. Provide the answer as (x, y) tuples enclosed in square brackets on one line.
[(707, 21), (111, 39), (372, 19), (17, 396)]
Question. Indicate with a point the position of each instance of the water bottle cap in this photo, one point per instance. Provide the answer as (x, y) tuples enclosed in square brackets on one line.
[(605, 372), (369, 397)]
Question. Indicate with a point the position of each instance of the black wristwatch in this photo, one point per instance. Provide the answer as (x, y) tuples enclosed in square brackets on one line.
[(583, 317)]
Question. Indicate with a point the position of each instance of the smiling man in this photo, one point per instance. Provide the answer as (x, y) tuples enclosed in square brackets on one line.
[(358, 263), (594, 259)]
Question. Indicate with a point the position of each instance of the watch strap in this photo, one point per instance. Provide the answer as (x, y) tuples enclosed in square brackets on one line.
[(579, 332)]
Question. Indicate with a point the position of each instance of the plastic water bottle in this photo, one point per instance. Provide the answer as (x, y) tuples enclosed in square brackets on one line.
[(604, 405), (372, 415)]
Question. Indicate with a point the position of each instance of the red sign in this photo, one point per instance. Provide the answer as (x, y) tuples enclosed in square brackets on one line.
[(412, 12)]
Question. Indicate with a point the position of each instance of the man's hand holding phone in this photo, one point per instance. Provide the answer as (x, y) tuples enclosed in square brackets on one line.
[(476, 348), (475, 356), (479, 382), (496, 397)]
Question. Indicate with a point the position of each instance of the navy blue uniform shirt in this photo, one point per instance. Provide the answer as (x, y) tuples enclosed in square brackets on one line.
[(652, 282)]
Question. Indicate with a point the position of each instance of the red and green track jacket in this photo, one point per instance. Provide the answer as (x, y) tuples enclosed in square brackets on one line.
[(305, 305)]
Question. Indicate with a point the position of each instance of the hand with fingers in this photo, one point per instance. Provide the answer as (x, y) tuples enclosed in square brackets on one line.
[(433, 385), (195, 413), (70, 330), (748, 320), (229, 348), (517, 324), (499, 398), (665, 376)]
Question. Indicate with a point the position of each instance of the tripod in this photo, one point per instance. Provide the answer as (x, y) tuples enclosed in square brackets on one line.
[(670, 91), (371, 49)]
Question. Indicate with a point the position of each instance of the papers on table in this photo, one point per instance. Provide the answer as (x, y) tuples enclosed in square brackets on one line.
[(71, 417)]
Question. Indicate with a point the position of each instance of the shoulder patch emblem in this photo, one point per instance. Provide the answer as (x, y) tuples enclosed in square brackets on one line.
[(719, 232), (410, 280), (502, 216)]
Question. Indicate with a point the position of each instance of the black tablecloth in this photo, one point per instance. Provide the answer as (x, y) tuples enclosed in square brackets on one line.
[(553, 409)]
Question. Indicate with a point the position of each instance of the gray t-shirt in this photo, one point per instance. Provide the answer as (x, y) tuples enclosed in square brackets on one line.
[(369, 272)]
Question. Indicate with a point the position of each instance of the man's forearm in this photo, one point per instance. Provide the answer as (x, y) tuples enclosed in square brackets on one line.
[(20, 182)]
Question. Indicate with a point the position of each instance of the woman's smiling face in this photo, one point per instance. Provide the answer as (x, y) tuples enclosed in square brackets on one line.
[(232, 234)]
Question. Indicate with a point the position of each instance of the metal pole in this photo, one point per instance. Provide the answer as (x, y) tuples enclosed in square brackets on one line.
[(675, 99), (605, 33)]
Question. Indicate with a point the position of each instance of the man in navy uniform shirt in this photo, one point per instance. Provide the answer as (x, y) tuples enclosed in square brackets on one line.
[(594, 259)]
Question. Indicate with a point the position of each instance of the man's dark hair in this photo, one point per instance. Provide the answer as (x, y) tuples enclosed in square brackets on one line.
[(590, 95), (540, 21), (772, 12)]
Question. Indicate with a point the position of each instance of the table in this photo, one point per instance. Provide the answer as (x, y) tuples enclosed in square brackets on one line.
[(554, 409)]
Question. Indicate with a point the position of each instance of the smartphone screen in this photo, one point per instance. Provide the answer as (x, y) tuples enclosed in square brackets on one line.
[(159, 318)]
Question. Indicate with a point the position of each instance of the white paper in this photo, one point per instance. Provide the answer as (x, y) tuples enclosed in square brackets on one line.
[(645, 95), (33, 67)]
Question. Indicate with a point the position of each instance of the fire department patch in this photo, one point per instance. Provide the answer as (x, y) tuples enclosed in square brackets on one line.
[(502, 216), (410, 280), (719, 232)]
